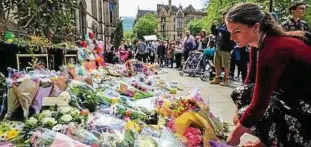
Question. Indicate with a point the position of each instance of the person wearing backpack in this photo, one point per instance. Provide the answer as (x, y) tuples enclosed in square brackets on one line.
[(277, 111)]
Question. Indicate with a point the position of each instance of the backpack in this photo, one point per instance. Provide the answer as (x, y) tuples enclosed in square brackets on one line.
[(189, 46)]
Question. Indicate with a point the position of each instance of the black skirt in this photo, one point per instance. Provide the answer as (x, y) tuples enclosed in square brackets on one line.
[(283, 124)]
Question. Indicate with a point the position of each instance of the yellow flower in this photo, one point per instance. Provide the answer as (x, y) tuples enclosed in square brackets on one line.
[(131, 125), (12, 134)]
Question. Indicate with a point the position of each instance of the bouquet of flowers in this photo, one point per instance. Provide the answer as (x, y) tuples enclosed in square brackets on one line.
[(46, 137), (9, 130)]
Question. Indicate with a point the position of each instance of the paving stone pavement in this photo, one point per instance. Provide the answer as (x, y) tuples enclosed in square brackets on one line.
[(218, 96)]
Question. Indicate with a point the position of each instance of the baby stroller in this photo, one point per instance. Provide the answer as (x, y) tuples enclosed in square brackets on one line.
[(194, 65)]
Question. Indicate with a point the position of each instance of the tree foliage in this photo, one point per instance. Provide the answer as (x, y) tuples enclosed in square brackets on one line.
[(195, 26), (118, 34), (146, 25), (280, 7), (54, 18), (129, 35)]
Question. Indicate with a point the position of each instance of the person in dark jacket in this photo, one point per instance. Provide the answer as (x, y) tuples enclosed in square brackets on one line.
[(222, 54), (161, 53)]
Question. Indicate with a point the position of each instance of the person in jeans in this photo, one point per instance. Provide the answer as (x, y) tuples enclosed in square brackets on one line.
[(141, 47), (161, 53), (170, 54), (222, 54), (178, 54)]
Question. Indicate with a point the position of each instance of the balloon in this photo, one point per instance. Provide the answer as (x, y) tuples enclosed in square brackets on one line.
[(92, 46), (9, 35), (88, 41), (91, 35), (100, 44), (83, 44), (10, 40), (86, 36)]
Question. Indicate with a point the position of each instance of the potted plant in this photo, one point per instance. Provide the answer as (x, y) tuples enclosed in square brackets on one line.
[(91, 100)]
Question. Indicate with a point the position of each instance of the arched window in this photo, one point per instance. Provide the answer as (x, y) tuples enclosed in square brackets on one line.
[(179, 19), (163, 23)]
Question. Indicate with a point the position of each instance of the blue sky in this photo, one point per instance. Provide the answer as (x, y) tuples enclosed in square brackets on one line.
[(129, 7)]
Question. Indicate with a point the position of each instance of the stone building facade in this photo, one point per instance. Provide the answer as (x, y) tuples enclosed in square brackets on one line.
[(173, 20), (97, 16)]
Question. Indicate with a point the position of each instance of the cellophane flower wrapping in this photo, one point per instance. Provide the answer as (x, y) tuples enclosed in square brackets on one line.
[(100, 123), (45, 137), (168, 139)]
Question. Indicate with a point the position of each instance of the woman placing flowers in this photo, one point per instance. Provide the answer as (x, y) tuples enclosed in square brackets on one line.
[(279, 111)]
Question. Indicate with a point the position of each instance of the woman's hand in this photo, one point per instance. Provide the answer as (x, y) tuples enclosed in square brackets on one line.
[(235, 135)]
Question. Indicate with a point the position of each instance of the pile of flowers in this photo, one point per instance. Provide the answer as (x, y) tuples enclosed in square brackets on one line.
[(58, 120)]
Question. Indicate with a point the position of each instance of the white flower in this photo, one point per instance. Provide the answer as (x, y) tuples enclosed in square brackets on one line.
[(65, 110), (66, 118), (71, 124), (47, 113), (32, 121), (75, 112), (49, 121), (58, 127)]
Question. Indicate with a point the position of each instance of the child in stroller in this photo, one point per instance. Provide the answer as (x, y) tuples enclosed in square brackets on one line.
[(208, 56)]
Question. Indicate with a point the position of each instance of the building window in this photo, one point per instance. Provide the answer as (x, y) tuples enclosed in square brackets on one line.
[(111, 10), (100, 11), (82, 20), (94, 8), (179, 24), (163, 23)]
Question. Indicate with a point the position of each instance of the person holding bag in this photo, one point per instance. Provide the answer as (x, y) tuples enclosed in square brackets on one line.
[(278, 109)]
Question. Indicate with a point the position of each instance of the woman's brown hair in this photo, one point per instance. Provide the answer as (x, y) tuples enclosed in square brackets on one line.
[(250, 14)]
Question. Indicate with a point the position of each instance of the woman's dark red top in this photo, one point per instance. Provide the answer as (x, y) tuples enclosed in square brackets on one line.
[(274, 57)]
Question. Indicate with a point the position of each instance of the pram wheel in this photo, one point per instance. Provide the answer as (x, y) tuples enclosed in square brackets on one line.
[(204, 78), (181, 73)]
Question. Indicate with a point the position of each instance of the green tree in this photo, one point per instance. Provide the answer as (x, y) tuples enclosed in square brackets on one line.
[(118, 34), (49, 18), (129, 35), (280, 7), (146, 25), (195, 26)]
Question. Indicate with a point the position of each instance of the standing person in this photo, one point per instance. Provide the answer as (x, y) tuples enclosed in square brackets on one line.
[(277, 111), (147, 52), (295, 23), (152, 52), (161, 53), (141, 47), (244, 52), (222, 55), (188, 45), (129, 47), (204, 39), (109, 50), (170, 54), (178, 54), (235, 62)]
